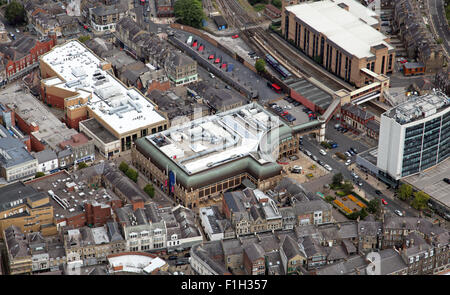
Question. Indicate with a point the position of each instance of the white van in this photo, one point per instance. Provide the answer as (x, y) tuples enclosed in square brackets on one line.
[(212, 75)]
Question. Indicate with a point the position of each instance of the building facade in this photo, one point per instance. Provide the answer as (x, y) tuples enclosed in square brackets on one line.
[(341, 39), (414, 136)]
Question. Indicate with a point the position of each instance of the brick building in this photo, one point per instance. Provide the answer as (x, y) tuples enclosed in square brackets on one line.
[(22, 55), (342, 37)]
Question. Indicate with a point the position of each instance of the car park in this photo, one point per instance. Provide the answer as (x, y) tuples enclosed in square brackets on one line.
[(322, 152)]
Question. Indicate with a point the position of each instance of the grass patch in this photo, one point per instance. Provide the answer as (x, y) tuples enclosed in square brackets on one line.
[(340, 193), (259, 7)]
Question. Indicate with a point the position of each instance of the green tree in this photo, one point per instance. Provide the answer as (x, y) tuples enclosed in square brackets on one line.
[(123, 167), (84, 38), (260, 65), (405, 191), (189, 12), (39, 174), (347, 187), (82, 165), (374, 206), (132, 174), (420, 200), (150, 190), (15, 13), (337, 179), (363, 213), (276, 3)]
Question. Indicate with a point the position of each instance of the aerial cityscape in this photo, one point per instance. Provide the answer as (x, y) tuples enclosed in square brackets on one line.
[(224, 137)]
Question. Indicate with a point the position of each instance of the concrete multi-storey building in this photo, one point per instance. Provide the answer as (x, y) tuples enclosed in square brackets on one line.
[(26, 208), (16, 162), (342, 36), (78, 81), (193, 172), (414, 136)]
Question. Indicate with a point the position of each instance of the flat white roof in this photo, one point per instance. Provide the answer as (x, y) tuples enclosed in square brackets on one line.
[(213, 140), (123, 109), (136, 263), (342, 27)]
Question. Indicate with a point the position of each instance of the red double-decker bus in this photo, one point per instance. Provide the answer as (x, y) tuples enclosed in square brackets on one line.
[(274, 87)]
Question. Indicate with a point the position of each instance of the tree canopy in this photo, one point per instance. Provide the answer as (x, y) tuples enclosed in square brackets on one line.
[(405, 191), (374, 206), (260, 65), (337, 179), (15, 13), (420, 201), (189, 12), (82, 165), (150, 190)]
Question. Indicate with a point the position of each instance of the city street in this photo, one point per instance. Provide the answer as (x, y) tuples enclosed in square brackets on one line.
[(344, 143), (439, 22)]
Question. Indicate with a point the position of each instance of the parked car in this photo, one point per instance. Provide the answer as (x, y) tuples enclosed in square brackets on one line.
[(314, 158), (235, 36), (322, 152), (173, 257), (347, 154), (337, 126), (384, 202), (333, 145), (328, 167), (378, 192), (353, 150), (308, 153), (398, 212), (321, 163), (446, 180), (296, 169), (296, 103), (348, 162)]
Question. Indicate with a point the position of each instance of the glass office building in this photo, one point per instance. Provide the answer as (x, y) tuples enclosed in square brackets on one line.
[(414, 136)]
